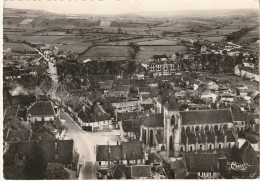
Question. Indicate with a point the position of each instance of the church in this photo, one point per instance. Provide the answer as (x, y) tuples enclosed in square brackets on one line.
[(173, 132)]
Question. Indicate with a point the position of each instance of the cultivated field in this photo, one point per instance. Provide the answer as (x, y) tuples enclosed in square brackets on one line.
[(108, 53), (21, 47)]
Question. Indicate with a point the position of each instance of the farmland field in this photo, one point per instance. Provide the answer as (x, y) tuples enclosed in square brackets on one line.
[(76, 47), (157, 42), (108, 53), (17, 47)]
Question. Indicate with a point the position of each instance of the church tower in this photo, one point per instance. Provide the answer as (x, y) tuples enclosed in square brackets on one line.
[(172, 126)]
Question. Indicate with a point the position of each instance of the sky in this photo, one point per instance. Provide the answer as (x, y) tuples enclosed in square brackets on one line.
[(127, 6)]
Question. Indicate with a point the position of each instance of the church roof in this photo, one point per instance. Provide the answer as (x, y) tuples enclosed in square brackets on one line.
[(154, 120), (206, 116), (173, 104)]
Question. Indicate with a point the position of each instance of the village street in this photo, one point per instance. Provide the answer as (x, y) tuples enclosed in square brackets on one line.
[(85, 143)]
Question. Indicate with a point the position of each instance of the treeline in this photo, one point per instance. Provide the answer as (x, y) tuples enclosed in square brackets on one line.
[(98, 68), (235, 36)]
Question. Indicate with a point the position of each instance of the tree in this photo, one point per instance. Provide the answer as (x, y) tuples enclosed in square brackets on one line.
[(35, 165), (119, 31)]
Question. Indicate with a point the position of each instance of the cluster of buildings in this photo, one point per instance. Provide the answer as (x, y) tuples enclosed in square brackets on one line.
[(36, 124), (173, 123)]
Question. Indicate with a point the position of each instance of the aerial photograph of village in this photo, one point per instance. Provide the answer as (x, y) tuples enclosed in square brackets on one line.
[(130, 89)]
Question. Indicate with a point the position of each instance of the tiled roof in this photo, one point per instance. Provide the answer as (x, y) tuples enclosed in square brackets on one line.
[(41, 108), (206, 116), (122, 88), (133, 125), (9, 159), (247, 154), (64, 149), (239, 116), (18, 135), (201, 162), (132, 150), (109, 152), (173, 106), (42, 136), (154, 120), (140, 171), (126, 151)]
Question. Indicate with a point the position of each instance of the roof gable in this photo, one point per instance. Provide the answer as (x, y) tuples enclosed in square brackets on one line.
[(41, 108)]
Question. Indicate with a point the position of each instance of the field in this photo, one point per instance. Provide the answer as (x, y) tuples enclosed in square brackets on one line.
[(76, 47), (107, 53), (147, 52), (157, 42), (17, 47)]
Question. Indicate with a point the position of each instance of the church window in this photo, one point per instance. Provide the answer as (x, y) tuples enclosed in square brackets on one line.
[(229, 145), (173, 120), (219, 146), (197, 128), (200, 173), (211, 173), (225, 127), (216, 127), (201, 147), (163, 148), (190, 148), (151, 137), (171, 145), (210, 147), (206, 128), (181, 148)]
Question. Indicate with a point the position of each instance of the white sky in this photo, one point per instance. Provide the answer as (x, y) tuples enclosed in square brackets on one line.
[(127, 6)]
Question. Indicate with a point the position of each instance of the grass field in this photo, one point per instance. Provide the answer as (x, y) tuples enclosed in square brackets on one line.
[(108, 53), (17, 47)]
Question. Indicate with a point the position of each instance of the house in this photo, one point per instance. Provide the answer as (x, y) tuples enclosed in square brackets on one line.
[(128, 153), (42, 111), (138, 172), (119, 91), (227, 97), (242, 91), (205, 165), (247, 154), (240, 120), (129, 106), (52, 150), (130, 129), (203, 50), (90, 122)]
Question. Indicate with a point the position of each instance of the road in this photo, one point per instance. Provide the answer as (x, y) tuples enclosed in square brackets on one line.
[(85, 143), (52, 68)]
